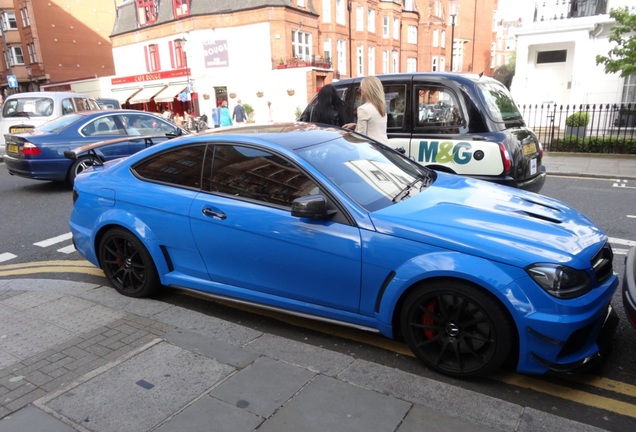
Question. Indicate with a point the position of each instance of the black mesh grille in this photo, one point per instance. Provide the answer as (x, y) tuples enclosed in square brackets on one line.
[(602, 263)]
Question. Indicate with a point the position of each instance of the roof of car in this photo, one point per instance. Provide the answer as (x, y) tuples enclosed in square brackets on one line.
[(415, 75), (285, 134)]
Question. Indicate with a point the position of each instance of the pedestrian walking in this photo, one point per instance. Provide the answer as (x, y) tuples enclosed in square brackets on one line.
[(238, 115), (372, 118), (328, 109), (225, 117), (216, 116)]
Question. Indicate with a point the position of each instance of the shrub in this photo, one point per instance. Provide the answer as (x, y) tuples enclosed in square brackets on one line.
[(578, 119)]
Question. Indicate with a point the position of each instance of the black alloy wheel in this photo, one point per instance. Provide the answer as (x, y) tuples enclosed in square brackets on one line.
[(127, 264), (456, 329)]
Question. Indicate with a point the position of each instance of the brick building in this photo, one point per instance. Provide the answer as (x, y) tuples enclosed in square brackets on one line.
[(275, 54), (55, 41)]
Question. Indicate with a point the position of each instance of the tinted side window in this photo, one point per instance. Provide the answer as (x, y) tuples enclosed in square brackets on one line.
[(438, 110), (179, 167), (258, 175), (395, 99), (67, 106)]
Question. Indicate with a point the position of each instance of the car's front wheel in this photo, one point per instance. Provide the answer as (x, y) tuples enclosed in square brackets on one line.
[(127, 264), (456, 329)]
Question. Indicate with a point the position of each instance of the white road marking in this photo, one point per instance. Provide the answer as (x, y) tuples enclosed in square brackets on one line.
[(623, 242), (54, 240), (7, 256), (67, 249)]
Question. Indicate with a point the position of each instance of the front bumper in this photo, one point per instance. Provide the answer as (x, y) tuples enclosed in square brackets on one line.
[(629, 286)]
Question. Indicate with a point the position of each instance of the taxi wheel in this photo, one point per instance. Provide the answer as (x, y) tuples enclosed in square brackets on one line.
[(127, 264), (456, 329)]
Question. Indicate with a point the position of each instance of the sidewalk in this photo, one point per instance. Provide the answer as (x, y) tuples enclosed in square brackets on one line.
[(81, 357), (609, 166)]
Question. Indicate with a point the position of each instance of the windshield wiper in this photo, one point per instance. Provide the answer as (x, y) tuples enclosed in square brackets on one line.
[(406, 191)]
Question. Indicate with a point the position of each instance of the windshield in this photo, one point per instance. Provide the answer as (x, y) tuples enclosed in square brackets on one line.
[(30, 107), (371, 174), (60, 123), (501, 107)]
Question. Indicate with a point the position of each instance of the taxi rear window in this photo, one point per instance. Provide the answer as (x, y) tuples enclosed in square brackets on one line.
[(498, 102)]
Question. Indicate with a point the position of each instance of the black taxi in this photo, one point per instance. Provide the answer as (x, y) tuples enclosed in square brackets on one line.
[(462, 124)]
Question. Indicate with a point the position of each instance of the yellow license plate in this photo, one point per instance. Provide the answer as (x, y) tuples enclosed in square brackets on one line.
[(529, 149), (20, 129), (12, 148)]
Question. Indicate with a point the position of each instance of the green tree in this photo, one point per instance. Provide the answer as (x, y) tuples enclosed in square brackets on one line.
[(505, 73), (622, 57)]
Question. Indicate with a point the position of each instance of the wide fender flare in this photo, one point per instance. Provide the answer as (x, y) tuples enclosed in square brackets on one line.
[(494, 277), (123, 219)]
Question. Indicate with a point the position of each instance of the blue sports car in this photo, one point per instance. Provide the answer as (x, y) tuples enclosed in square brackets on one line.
[(324, 223), (39, 154)]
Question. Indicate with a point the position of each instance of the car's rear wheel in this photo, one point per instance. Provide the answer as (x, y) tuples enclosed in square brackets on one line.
[(127, 264), (78, 166), (456, 329)]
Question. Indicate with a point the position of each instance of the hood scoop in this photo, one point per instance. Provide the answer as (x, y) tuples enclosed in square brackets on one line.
[(542, 216)]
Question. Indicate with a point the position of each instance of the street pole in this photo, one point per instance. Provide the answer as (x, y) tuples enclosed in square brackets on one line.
[(452, 41), (453, 6)]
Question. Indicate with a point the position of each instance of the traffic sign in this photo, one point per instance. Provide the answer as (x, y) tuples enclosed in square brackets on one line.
[(13, 81)]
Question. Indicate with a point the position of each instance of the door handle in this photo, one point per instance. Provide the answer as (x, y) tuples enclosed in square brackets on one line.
[(209, 212)]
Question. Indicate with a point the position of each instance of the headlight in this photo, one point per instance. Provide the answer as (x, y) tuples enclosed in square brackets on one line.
[(560, 281)]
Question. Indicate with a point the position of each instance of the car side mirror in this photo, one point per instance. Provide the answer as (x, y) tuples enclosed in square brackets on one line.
[(311, 207)]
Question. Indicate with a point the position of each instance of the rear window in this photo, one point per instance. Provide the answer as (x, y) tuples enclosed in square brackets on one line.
[(59, 123), (29, 107), (499, 103)]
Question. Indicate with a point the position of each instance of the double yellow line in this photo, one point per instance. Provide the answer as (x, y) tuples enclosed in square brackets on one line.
[(59, 266), (540, 385)]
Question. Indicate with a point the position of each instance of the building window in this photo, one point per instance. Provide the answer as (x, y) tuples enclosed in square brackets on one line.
[(442, 64), (178, 54), (146, 11), (558, 56), (340, 12), (341, 49), (385, 27), (371, 21), (300, 3), (152, 58), (411, 64), (33, 56), (301, 44), (396, 62), (408, 5), (371, 67), (434, 64), (360, 58), (15, 56), (327, 50), (412, 36), (359, 18), (396, 29), (435, 38), (8, 21), (326, 11), (629, 90), (385, 62), (26, 20), (181, 8)]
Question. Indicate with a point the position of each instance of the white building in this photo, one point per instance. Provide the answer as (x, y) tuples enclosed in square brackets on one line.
[(556, 55)]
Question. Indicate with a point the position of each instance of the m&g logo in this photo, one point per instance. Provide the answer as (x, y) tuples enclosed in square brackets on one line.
[(445, 152)]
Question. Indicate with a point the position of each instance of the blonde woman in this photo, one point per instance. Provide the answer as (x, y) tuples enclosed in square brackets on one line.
[(372, 114)]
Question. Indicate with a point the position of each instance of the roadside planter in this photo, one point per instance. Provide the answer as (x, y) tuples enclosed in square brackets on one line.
[(576, 124)]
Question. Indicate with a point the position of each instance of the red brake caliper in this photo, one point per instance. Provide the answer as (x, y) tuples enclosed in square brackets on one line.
[(427, 318)]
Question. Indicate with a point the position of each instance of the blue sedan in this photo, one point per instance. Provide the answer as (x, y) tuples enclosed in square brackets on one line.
[(39, 154), (324, 223)]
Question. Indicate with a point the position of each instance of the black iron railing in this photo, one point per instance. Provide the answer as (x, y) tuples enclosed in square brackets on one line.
[(598, 128)]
